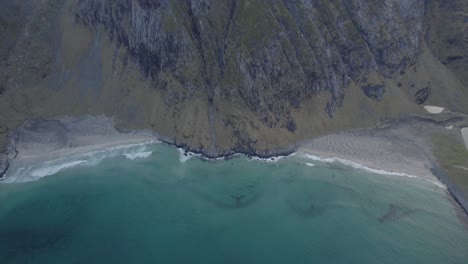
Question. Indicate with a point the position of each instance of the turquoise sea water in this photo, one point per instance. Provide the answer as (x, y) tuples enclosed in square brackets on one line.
[(160, 210)]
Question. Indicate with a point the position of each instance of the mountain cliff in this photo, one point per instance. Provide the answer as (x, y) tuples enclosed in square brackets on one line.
[(265, 54), (252, 76)]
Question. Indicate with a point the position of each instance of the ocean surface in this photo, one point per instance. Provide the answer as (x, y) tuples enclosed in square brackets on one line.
[(152, 204)]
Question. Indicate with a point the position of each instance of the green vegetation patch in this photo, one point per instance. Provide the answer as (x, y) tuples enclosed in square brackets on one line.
[(452, 156)]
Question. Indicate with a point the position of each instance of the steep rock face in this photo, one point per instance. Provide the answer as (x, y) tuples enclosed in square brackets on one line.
[(265, 52), (448, 34), (252, 76)]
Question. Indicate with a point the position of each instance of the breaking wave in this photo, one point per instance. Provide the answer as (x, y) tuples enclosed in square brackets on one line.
[(269, 160), (50, 170), (138, 155), (184, 156)]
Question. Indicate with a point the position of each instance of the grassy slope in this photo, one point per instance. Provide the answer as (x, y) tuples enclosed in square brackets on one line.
[(451, 155)]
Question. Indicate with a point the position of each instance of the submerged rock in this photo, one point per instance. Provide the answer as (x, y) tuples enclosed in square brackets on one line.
[(394, 213)]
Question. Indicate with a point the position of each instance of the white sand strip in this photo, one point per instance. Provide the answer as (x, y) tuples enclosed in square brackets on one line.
[(464, 132), (359, 166), (461, 167), (434, 109)]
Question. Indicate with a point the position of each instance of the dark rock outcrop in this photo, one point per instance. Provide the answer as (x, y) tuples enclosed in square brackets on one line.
[(7, 154), (422, 95), (374, 91)]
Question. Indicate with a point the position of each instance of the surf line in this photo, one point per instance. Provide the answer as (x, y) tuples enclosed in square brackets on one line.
[(32, 172), (359, 166)]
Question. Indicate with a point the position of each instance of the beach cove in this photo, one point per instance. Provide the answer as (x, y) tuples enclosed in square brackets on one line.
[(151, 203), (98, 193)]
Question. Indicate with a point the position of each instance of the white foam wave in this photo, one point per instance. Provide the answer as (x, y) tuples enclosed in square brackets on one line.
[(35, 171), (309, 164), (269, 160), (359, 166), (51, 170), (137, 152), (184, 156), (138, 155)]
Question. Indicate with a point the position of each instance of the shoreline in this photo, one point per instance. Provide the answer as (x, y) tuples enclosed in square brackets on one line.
[(375, 150), (129, 141)]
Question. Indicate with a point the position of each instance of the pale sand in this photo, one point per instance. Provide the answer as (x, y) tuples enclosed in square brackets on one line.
[(464, 132), (41, 141), (434, 109), (399, 147), (46, 139), (375, 151)]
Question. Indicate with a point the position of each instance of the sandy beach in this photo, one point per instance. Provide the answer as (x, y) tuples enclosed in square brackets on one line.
[(373, 150), (47, 139), (400, 147), (59, 143)]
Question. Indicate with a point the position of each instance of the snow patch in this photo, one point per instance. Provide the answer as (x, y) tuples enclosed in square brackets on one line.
[(434, 109)]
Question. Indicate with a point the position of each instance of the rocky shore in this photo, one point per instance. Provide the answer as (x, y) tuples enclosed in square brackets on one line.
[(45, 139), (7, 155)]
